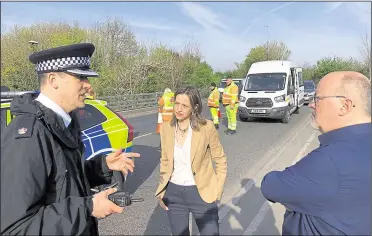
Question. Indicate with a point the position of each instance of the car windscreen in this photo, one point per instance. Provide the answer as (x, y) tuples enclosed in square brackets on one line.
[(89, 116), (265, 82), (309, 85)]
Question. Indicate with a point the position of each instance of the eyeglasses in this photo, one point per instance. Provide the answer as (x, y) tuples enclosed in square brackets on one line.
[(316, 99)]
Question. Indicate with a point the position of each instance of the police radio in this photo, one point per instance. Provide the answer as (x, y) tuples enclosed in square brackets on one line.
[(121, 197)]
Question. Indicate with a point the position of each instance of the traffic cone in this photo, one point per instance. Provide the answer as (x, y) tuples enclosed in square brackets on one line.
[(219, 113), (160, 121)]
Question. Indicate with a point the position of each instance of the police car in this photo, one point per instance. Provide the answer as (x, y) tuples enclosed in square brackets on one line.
[(103, 130)]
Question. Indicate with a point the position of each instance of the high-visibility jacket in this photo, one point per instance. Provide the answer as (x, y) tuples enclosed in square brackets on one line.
[(230, 94), (214, 98), (167, 104)]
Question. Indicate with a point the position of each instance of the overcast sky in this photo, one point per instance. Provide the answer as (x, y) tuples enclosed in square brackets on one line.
[(225, 31)]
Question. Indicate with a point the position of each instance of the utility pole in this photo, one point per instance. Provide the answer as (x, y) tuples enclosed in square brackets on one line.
[(267, 43)]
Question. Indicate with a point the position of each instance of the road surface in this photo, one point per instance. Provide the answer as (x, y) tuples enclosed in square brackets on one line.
[(257, 147)]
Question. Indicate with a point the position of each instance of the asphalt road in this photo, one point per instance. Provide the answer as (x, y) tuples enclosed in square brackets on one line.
[(247, 152)]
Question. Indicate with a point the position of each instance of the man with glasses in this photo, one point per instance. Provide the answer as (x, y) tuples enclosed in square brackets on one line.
[(328, 192)]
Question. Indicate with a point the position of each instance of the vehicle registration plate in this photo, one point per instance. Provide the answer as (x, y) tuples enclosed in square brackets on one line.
[(258, 111)]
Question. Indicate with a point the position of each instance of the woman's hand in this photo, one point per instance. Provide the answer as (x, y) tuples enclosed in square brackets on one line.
[(162, 204)]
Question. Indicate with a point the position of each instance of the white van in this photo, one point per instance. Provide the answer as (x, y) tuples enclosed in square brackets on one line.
[(273, 89)]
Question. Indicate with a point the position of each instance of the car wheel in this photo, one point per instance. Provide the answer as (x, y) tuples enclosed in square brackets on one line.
[(297, 111), (244, 119), (287, 116)]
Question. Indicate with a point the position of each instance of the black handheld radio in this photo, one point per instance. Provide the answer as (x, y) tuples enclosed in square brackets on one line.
[(121, 197)]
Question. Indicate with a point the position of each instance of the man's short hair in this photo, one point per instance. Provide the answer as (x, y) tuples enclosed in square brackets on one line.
[(363, 88), (42, 78)]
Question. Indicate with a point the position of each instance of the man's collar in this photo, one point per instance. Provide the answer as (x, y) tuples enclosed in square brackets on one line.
[(55, 107), (344, 133)]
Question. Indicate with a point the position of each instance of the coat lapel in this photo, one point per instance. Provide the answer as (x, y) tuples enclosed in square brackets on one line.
[(170, 146), (194, 143)]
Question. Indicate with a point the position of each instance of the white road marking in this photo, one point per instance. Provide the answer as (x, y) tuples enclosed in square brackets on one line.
[(255, 223), (304, 148), (258, 218), (143, 135)]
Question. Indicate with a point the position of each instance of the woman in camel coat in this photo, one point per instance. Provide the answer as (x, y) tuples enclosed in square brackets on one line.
[(188, 182)]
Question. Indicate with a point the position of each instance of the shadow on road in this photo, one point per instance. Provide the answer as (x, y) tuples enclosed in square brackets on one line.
[(246, 209), (144, 166), (158, 223), (234, 223)]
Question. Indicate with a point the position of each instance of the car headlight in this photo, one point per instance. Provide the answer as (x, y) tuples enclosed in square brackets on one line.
[(242, 99), (280, 98)]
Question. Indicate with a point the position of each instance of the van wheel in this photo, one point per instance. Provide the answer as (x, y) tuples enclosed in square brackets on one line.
[(287, 115), (244, 119), (297, 111)]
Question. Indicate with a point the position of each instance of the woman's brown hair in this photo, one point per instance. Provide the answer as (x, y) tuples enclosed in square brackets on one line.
[(196, 120)]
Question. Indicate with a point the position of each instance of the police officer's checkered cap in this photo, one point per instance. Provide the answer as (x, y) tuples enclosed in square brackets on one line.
[(61, 64), (76, 56)]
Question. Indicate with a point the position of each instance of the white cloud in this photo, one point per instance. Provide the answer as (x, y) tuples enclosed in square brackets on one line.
[(332, 6), (203, 15), (265, 15), (362, 10), (221, 39), (308, 41), (154, 25)]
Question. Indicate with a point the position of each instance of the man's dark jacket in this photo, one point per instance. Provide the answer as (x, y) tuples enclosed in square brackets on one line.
[(45, 182)]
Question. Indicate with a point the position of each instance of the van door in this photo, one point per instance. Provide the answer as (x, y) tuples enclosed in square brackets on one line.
[(301, 88), (295, 84)]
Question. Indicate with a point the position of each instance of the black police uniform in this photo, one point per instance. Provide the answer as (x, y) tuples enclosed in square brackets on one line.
[(45, 181)]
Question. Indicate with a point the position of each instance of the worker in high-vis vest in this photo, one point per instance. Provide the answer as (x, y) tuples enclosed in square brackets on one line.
[(214, 104), (166, 104), (230, 101)]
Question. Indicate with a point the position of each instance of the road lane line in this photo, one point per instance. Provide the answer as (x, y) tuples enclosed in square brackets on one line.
[(257, 220), (143, 135), (304, 148)]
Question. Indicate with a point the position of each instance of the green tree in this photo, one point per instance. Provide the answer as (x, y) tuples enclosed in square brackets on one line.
[(124, 64), (17, 72), (365, 51), (328, 64), (308, 71), (272, 50)]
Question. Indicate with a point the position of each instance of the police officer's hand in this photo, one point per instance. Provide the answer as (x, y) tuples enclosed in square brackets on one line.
[(120, 161), (102, 206), (232, 106)]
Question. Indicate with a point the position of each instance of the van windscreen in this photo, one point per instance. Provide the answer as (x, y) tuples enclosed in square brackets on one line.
[(265, 82)]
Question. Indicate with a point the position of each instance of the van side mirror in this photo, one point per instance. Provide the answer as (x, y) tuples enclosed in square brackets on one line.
[(291, 89)]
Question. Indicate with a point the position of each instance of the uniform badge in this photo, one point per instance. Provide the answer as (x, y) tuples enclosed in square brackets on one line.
[(22, 130)]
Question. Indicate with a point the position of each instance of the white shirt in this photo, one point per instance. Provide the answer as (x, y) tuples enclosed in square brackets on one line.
[(182, 172), (56, 108)]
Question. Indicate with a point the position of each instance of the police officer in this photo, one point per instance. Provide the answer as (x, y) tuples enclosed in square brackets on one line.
[(45, 182)]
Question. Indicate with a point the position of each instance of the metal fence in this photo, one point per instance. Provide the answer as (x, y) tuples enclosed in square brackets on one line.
[(130, 102)]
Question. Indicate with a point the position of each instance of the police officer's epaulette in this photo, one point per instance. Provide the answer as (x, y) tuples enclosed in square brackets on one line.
[(24, 126)]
